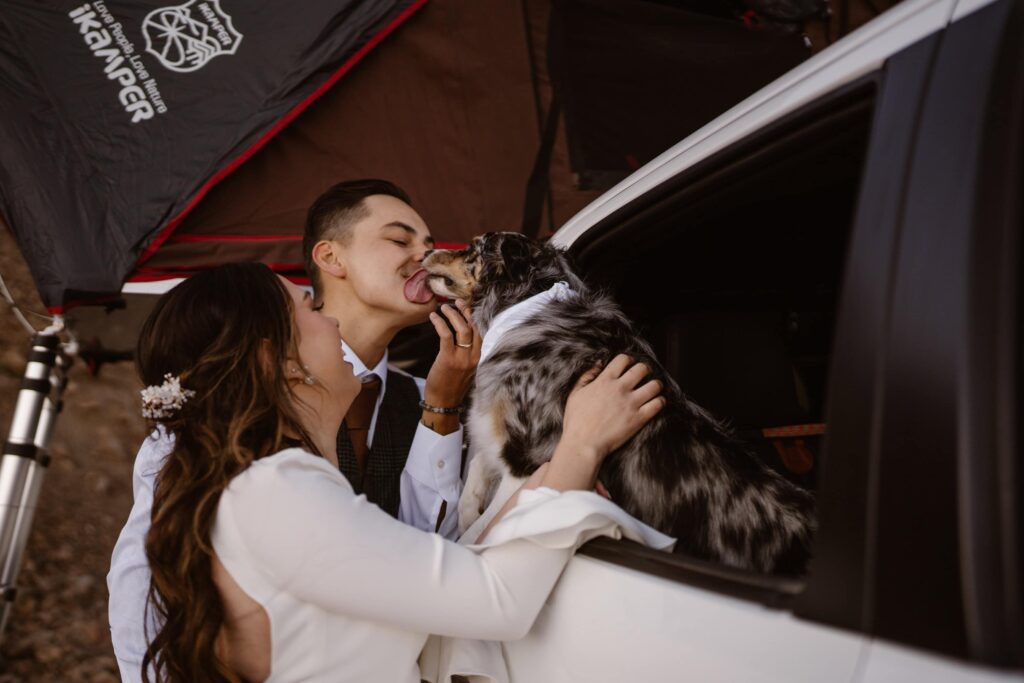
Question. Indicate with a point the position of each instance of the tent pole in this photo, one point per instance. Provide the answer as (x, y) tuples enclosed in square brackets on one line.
[(24, 458)]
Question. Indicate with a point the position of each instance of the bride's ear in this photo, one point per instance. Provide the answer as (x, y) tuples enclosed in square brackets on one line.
[(329, 259), (290, 367)]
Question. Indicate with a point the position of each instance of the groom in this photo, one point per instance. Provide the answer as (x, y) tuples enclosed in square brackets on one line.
[(363, 245), (401, 442)]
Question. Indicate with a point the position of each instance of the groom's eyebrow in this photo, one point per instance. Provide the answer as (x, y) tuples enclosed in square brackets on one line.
[(411, 230)]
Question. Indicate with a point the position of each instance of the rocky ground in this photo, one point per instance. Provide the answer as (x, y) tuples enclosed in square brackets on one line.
[(58, 629)]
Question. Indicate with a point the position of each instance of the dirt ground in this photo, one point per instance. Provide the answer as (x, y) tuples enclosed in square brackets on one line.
[(58, 630)]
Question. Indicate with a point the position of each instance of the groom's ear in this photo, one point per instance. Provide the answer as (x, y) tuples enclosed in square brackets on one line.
[(328, 258)]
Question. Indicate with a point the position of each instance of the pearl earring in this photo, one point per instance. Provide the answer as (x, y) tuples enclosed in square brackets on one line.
[(308, 379)]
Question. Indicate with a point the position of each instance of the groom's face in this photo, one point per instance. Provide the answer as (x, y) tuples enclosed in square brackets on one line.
[(380, 254)]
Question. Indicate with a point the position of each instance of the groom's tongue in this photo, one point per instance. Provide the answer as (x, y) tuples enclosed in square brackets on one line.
[(416, 289)]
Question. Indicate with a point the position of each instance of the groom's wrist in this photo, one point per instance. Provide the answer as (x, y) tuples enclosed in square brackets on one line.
[(441, 424), (447, 397)]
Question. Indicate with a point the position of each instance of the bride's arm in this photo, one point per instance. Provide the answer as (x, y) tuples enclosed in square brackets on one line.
[(594, 425), (307, 534)]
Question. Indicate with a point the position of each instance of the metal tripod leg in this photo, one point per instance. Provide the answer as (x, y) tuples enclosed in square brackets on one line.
[(24, 459)]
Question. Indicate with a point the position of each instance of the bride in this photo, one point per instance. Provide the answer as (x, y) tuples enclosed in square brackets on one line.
[(266, 566)]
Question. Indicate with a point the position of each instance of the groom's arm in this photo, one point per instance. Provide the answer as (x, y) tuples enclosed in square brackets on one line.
[(435, 470), (431, 483)]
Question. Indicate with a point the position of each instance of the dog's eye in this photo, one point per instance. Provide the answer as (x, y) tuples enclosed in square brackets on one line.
[(448, 282)]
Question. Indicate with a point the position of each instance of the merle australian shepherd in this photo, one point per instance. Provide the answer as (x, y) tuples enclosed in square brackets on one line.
[(684, 473)]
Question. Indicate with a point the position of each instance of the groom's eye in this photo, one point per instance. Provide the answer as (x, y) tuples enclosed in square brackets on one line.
[(400, 243)]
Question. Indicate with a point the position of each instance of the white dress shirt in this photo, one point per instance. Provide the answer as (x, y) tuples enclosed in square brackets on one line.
[(352, 594), (431, 478), (429, 483)]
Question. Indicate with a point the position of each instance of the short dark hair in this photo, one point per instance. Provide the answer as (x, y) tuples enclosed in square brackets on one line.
[(335, 211)]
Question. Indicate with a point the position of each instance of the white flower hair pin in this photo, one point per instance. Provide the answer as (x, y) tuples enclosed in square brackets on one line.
[(161, 401)]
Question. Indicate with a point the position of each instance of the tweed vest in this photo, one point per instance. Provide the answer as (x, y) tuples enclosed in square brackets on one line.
[(385, 459)]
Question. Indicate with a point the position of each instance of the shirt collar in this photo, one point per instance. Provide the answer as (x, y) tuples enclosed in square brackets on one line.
[(359, 368), (514, 315)]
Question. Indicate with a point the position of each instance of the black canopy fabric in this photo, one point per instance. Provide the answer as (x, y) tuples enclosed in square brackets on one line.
[(634, 77), (116, 117)]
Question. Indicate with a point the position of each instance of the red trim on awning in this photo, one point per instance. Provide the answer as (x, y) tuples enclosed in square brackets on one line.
[(157, 277), (72, 303), (176, 271), (166, 231), (234, 238), (275, 238)]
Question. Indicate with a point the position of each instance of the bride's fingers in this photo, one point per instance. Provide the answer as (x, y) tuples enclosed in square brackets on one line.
[(647, 391), (587, 377), (632, 377), (617, 366), (651, 408)]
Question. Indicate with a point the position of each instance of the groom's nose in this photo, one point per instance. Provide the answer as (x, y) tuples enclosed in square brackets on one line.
[(422, 255)]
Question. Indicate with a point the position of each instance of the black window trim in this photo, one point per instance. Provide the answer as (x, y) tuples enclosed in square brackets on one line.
[(948, 533)]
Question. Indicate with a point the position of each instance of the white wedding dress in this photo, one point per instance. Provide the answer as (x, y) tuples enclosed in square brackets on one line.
[(352, 593)]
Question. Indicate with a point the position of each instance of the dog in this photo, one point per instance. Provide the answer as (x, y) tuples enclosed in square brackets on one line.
[(684, 473)]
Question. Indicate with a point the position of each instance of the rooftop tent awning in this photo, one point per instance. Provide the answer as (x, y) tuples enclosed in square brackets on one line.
[(117, 117), (456, 110)]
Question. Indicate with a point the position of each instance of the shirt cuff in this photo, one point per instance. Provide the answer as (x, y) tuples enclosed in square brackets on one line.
[(435, 459)]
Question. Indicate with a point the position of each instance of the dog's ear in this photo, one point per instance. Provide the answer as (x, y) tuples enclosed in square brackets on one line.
[(518, 254)]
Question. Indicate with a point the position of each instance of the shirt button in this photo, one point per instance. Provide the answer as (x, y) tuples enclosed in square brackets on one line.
[(440, 464)]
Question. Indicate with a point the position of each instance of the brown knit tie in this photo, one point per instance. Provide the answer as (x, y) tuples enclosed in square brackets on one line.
[(358, 419)]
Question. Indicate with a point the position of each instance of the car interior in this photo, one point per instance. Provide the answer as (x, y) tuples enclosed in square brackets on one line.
[(734, 275)]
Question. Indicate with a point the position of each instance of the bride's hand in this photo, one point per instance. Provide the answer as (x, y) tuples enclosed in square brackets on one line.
[(605, 409)]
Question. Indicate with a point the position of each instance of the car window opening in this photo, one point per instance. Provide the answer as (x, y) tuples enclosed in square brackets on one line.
[(735, 277)]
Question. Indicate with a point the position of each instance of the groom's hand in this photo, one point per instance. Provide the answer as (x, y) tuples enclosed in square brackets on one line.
[(452, 373)]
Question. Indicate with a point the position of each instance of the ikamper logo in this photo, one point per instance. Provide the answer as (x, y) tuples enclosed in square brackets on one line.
[(185, 37)]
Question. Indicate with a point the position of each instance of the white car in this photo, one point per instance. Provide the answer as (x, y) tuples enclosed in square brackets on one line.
[(841, 253)]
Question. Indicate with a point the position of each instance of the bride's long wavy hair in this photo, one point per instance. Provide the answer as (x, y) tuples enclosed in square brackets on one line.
[(226, 333)]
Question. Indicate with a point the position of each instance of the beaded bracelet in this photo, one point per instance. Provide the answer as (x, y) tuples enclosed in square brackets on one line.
[(441, 411)]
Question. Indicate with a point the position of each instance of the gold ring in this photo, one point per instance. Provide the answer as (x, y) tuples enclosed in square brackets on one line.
[(464, 346)]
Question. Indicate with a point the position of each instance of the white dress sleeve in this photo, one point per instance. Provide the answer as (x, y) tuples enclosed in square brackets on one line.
[(303, 527), (128, 579)]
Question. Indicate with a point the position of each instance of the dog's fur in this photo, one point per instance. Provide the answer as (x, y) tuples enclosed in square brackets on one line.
[(684, 473)]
